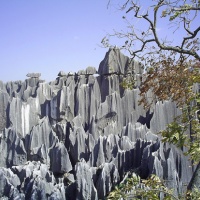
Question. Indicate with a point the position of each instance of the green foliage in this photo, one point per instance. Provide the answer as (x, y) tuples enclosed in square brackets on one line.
[(121, 191), (194, 142), (174, 133), (128, 82), (194, 194), (135, 188), (183, 9), (185, 129)]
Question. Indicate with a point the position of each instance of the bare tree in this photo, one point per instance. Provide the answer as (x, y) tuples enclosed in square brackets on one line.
[(180, 16)]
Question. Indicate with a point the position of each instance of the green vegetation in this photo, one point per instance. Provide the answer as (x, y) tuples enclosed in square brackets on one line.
[(152, 189)]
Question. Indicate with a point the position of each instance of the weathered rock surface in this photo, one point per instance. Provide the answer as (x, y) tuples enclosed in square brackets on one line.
[(33, 75), (77, 137)]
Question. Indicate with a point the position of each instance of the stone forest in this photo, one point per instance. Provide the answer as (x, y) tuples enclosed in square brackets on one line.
[(78, 136)]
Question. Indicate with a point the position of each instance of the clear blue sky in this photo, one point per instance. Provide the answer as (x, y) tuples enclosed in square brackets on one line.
[(48, 36)]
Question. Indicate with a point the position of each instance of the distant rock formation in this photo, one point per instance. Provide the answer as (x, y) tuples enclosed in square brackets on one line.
[(33, 75), (77, 137)]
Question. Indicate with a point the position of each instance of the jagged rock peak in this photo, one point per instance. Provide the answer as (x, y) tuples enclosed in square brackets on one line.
[(91, 70), (62, 74), (116, 62), (33, 75), (88, 71)]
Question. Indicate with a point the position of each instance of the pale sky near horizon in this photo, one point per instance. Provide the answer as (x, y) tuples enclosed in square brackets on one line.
[(48, 36)]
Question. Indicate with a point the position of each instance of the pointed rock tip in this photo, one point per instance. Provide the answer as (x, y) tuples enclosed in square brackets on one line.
[(33, 75), (114, 62)]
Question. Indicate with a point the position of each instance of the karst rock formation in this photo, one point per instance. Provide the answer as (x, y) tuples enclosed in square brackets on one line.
[(78, 136)]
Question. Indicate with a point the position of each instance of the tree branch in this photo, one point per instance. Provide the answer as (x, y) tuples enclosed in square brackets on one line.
[(169, 8), (143, 46)]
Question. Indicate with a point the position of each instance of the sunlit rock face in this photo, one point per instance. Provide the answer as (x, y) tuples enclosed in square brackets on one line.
[(77, 137)]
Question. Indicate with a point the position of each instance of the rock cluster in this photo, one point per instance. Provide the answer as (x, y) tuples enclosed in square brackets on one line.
[(77, 137)]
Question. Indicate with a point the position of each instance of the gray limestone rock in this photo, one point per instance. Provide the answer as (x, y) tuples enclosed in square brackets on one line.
[(90, 70), (163, 113), (125, 144), (71, 74), (2, 86), (4, 102), (8, 185), (195, 181), (41, 139), (62, 74), (78, 139), (114, 63), (81, 72), (107, 179), (98, 156), (110, 112), (12, 149), (105, 150), (78, 136), (85, 188), (24, 115), (33, 82), (33, 75), (37, 182), (60, 162)]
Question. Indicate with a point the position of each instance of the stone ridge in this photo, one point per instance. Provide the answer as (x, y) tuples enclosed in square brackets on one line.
[(117, 63), (33, 75), (78, 136)]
